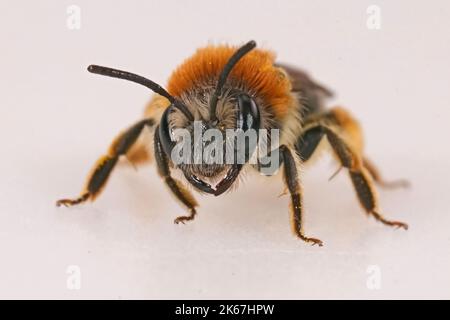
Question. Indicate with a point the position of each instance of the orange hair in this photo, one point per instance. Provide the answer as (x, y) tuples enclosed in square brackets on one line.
[(255, 71)]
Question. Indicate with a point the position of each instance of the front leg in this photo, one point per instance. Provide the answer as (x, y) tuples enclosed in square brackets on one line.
[(104, 166), (291, 179), (180, 192)]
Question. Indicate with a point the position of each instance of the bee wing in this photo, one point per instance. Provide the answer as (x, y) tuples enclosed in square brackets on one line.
[(311, 93)]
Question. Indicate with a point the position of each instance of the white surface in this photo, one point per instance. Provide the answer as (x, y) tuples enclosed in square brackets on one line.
[(56, 118)]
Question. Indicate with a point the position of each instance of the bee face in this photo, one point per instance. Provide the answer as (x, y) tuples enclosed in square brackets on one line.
[(208, 142)]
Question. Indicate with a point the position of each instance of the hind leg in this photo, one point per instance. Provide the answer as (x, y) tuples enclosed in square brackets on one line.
[(343, 134), (106, 163)]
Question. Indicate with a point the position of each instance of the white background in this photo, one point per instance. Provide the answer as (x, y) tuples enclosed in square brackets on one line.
[(56, 119)]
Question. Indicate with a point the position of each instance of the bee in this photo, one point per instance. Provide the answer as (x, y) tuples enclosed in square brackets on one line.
[(225, 87)]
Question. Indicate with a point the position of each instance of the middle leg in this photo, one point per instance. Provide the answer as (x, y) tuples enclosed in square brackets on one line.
[(348, 157)]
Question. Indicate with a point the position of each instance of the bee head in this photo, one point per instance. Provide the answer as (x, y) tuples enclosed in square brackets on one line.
[(210, 136), (212, 112)]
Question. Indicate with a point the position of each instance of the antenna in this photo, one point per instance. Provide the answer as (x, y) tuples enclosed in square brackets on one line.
[(114, 73), (242, 51)]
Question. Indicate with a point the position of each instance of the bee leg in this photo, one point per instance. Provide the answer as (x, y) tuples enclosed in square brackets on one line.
[(359, 174), (375, 173), (180, 192), (291, 179), (309, 141), (367, 197), (104, 166)]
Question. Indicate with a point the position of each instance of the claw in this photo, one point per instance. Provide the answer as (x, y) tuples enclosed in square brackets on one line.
[(396, 224), (72, 202), (313, 241), (64, 202), (183, 219)]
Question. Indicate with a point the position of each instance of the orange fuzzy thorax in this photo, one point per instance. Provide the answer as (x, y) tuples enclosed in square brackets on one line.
[(255, 72)]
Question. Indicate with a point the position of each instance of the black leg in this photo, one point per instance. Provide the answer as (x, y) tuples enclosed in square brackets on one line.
[(367, 198), (291, 180), (104, 166), (308, 142), (359, 174), (360, 177), (180, 192)]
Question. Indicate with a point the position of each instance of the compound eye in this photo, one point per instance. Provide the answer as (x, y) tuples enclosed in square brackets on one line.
[(248, 118), (248, 113), (164, 132)]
